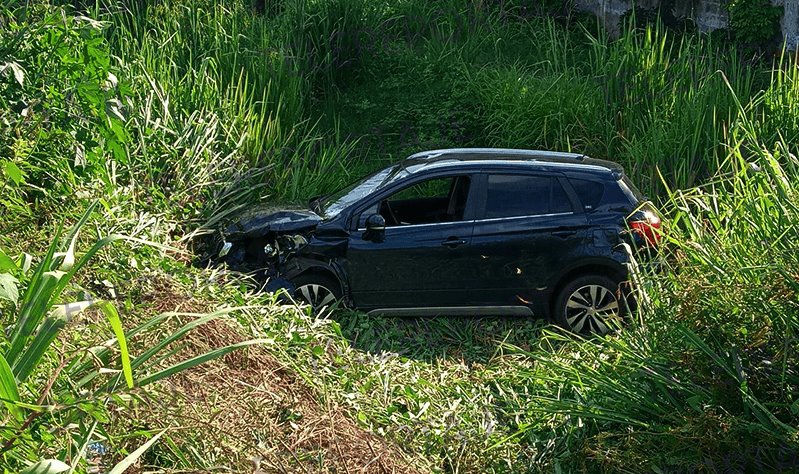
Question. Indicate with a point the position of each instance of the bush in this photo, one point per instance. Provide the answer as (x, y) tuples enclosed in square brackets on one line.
[(754, 22)]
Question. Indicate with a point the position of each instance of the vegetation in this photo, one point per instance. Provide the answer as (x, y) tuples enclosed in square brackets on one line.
[(159, 120), (754, 22)]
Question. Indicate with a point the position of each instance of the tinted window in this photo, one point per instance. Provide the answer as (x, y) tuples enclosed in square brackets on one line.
[(589, 192), (431, 201), (430, 189), (560, 200), (518, 195)]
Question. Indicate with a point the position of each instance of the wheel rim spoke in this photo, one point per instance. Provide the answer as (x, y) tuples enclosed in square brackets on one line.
[(317, 296), (603, 295), (580, 319), (328, 299), (306, 293), (576, 305), (580, 298), (601, 328), (611, 307)]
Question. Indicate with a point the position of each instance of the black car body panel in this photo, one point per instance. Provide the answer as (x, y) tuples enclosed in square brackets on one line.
[(412, 266), (496, 229), (259, 222)]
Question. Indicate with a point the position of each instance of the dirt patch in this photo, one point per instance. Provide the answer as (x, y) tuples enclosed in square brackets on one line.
[(246, 412)]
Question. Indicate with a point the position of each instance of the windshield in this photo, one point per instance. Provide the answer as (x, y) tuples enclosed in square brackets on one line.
[(332, 205)]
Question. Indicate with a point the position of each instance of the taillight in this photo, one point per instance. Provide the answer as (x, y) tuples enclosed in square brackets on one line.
[(647, 227)]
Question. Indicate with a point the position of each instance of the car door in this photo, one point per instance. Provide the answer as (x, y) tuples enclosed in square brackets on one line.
[(419, 262), (526, 224)]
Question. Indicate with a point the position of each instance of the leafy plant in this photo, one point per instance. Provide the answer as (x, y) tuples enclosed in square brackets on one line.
[(60, 98), (754, 22), (27, 355)]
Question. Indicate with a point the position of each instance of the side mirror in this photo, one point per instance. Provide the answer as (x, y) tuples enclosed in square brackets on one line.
[(375, 228)]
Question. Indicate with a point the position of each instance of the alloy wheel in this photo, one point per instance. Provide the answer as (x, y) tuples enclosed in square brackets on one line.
[(316, 295), (592, 308)]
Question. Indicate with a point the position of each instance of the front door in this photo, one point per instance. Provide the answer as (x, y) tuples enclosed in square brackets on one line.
[(424, 256)]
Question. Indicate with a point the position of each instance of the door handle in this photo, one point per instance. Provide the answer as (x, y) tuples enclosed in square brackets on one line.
[(453, 242), (564, 233)]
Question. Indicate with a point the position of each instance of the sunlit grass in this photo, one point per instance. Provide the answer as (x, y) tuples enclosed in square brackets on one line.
[(178, 114)]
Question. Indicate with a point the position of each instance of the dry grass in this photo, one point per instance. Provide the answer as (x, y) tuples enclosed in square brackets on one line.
[(250, 413)]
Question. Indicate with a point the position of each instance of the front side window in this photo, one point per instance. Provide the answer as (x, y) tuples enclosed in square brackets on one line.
[(427, 202), (521, 195)]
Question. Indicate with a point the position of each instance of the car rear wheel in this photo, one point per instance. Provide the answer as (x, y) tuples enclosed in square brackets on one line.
[(591, 304), (317, 291)]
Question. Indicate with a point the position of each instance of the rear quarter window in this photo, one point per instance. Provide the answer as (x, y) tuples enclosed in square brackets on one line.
[(589, 192)]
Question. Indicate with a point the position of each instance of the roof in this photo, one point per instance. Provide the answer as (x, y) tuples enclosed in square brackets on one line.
[(497, 157)]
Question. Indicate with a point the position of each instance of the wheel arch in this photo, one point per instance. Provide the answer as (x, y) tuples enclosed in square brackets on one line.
[(606, 267), (306, 266)]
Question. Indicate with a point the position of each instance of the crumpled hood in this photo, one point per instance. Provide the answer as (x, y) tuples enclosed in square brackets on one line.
[(260, 221)]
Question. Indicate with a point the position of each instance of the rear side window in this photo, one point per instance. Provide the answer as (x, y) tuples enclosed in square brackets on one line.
[(519, 195), (589, 192)]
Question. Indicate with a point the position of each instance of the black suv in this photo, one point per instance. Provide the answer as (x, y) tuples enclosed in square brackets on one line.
[(461, 232)]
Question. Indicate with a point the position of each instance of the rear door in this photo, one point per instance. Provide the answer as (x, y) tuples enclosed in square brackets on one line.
[(526, 226)]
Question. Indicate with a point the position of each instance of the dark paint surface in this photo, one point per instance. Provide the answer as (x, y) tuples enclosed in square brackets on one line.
[(259, 222), (420, 265), (518, 257)]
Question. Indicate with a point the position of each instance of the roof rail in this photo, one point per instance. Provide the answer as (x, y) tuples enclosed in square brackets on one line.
[(431, 154)]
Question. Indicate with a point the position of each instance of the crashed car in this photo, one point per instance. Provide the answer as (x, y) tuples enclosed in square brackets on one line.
[(460, 232)]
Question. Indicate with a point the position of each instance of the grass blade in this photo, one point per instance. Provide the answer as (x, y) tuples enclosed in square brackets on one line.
[(35, 303), (6, 263), (132, 457), (8, 390), (8, 288), (195, 361), (47, 466), (179, 333), (116, 324), (28, 361)]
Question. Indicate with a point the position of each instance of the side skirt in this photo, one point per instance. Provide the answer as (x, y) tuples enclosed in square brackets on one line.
[(455, 311)]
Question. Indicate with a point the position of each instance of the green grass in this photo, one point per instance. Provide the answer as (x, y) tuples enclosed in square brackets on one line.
[(177, 114)]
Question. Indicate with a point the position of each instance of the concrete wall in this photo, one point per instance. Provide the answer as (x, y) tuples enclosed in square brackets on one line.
[(708, 14), (790, 22)]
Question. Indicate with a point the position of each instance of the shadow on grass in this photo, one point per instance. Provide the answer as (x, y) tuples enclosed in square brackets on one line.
[(467, 338)]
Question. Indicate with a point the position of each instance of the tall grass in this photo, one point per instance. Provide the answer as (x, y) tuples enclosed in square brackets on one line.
[(716, 351), (650, 99), (203, 108), (43, 377), (184, 112)]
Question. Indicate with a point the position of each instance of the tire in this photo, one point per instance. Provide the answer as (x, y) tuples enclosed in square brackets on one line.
[(317, 290), (590, 304)]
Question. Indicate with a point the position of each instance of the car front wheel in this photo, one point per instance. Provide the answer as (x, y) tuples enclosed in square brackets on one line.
[(591, 304), (318, 291)]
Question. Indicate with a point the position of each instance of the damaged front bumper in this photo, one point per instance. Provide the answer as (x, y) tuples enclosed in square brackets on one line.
[(270, 263)]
